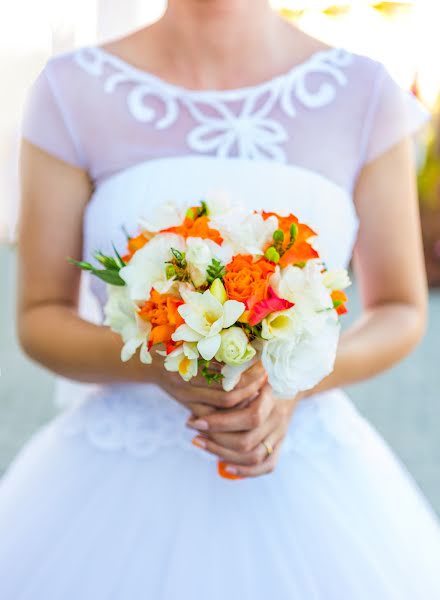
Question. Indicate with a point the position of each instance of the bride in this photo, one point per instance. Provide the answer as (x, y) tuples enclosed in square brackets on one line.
[(111, 500)]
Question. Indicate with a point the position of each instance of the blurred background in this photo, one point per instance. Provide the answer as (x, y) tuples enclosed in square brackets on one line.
[(404, 403)]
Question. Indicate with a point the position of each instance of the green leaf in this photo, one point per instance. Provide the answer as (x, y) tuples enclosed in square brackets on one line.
[(119, 260), (109, 276), (215, 270), (127, 235), (114, 264), (203, 210), (210, 376), (180, 258), (85, 266)]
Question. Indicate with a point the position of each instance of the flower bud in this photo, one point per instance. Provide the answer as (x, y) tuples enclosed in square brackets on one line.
[(217, 289), (272, 254), (170, 271), (278, 235), (293, 232)]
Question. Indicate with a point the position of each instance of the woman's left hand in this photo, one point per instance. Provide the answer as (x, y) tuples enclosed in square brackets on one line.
[(236, 435)]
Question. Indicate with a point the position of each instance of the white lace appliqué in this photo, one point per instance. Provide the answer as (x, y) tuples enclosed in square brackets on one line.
[(219, 128)]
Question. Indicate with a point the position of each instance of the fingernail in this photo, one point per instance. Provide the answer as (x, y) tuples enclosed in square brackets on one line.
[(226, 471), (200, 424), (199, 442), (231, 470)]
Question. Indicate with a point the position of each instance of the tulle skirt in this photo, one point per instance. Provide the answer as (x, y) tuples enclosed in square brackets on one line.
[(339, 519)]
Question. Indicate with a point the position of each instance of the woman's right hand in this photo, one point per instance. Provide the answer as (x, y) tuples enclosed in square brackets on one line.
[(202, 398)]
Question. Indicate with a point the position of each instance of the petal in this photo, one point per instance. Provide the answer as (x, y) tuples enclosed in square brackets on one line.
[(232, 312), (190, 350), (195, 319), (186, 334), (144, 355), (209, 346), (129, 348)]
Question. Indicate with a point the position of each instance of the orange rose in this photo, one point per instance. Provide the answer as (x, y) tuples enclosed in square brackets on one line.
[(161, 312), (248, 281)]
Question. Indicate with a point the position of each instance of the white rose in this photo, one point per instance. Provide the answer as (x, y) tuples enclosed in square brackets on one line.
[(294, 365), (235, 348)]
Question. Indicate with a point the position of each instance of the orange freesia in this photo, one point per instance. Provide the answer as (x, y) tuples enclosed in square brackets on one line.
[(198, 227), (298, 253), (339, 297), (248, 281), (134, 244), (301, 250), (161, 312)]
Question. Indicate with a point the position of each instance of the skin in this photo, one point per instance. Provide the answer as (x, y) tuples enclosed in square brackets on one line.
[(212, 44)]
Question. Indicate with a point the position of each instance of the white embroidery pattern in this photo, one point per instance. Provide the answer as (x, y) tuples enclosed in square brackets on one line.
[(219, 129), (140, 423)]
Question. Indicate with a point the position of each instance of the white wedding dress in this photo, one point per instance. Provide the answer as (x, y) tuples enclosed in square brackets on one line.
[(111, 501)]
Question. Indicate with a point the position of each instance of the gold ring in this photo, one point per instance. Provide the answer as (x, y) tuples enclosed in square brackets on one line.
[(269, 448)]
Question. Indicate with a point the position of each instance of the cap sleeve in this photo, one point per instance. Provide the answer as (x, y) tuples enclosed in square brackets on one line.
[(392, 115), (46, 122)]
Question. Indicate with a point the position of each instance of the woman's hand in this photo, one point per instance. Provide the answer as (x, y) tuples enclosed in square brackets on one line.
[(203, 399), (236, 435)]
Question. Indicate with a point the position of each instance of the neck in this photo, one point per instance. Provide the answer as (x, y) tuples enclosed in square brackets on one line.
[(220, 35)]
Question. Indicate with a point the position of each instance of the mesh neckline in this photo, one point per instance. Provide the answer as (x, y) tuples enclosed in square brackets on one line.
[(225, 94)]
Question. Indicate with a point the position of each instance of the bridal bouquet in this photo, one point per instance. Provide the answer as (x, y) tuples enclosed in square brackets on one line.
[(215, 282)]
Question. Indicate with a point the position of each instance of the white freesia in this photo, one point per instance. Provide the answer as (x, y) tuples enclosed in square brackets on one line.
[(199, 255), (232, 373), (205, 317), (122, 318), (235, 348), (304, 287), (336, 279), (298, 364), (281, 324), (247, 233), (147, 268), (182, 360), (165, 215)]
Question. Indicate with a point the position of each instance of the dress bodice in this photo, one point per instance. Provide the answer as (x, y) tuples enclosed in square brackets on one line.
[(295, 144)]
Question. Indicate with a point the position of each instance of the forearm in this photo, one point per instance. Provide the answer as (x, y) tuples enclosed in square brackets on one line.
[(56, 337), (381, 337)]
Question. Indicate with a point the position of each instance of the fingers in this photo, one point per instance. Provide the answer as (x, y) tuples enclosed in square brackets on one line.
[(200, 410), (238, 471), (245, 447), (249, 417), (252, 457), (256, 371)]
